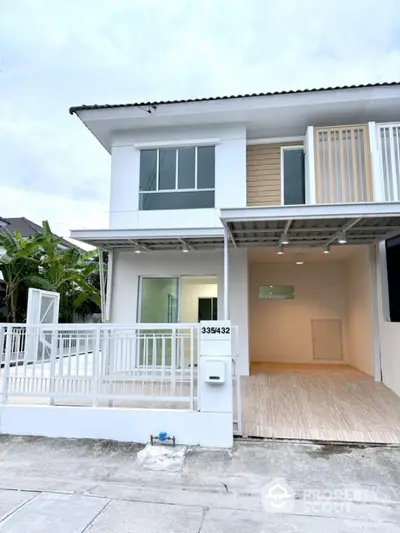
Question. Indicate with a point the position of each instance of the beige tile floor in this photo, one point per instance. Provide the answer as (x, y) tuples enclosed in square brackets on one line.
[(318, 402)]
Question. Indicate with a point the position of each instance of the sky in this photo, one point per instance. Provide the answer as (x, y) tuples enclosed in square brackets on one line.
[(59, 53)]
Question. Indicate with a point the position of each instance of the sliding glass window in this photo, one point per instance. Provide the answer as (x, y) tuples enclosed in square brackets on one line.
[(177, 178)]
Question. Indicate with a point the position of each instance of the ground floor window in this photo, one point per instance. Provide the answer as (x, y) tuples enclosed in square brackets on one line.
[(178, 299), (158, 301)]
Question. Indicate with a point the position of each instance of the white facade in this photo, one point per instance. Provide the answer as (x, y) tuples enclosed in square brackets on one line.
[(230, 176), (130, 267), (343, 291)]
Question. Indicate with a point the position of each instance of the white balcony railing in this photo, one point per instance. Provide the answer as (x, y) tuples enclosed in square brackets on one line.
[(389, 151), (342, 164)]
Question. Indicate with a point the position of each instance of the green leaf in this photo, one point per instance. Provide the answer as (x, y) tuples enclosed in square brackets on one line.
[(82, 297)]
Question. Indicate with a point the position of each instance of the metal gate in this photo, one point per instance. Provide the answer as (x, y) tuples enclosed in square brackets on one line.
[(43, 308)]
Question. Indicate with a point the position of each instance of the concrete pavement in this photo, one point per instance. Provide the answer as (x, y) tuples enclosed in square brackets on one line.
[(79, 486)]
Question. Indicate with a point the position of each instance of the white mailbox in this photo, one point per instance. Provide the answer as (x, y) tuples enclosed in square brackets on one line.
[(215, 371)]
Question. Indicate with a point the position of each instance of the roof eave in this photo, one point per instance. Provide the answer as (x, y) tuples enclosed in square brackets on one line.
[(84, 107)]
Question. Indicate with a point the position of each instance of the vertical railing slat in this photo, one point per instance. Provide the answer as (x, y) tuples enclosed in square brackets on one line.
[(397, 170), (317, 152), (393, 165), (95, 370), (191, 391)]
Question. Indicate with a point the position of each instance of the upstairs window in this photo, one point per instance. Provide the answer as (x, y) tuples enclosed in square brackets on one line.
[(293, 175), (177, 178)]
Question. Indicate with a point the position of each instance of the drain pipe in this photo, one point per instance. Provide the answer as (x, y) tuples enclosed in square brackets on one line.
[(226, 272)]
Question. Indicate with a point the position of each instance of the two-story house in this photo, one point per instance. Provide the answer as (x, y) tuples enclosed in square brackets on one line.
[(271, 210)]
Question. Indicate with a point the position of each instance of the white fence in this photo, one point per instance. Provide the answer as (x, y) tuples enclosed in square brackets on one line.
[(101, 364), (389, 147)]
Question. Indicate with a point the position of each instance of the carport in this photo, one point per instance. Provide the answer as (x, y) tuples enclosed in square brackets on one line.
[(324, 260)]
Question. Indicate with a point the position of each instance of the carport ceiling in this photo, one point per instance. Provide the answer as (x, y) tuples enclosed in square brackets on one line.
[(314, 232)]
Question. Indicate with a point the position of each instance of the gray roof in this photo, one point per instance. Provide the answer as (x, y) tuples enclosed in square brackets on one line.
[(74, 109), (3, 220), (27, 228)]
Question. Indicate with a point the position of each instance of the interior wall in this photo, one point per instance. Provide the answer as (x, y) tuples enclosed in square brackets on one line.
[(360, 311), (280, 330), (191, 290)]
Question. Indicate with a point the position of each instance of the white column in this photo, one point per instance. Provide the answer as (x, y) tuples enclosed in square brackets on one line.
[(374, 258), (109, 284), (226, 273), (309, 166), (102, 291), (215, 379)]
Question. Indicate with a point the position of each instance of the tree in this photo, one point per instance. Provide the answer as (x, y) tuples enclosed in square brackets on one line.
[(40, 262), (66, 271), (19, 266)]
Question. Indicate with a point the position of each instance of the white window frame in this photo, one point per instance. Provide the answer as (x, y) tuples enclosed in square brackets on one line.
[(177, 148), (139, 295), (283, 148), (179, 277)]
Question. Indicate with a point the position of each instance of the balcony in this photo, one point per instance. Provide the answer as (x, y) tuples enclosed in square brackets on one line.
[(342, 164)]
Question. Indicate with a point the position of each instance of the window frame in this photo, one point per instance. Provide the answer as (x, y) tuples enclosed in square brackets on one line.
[(283, 297), (176, 148), (283, 148)]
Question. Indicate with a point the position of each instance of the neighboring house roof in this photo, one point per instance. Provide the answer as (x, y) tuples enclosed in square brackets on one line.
[(27, 228), (3, 222), (74, 109)]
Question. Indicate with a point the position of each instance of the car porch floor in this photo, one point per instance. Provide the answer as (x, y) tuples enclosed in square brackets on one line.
[(318, 402)]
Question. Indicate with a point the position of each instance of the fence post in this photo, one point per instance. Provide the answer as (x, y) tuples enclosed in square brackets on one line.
[(6, 369), (191, 368), (106, 362), (173, 360), (95, 369), (53, 356)]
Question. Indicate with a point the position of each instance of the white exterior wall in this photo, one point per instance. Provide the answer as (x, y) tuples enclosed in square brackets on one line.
[(389, 332), (230, 176), (360, 311), (128, 267), (126, 425)]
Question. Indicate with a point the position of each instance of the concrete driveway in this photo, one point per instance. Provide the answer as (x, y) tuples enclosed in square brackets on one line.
[(77, 486)]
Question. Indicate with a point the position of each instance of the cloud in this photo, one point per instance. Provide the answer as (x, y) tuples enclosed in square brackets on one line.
[(57, 54)]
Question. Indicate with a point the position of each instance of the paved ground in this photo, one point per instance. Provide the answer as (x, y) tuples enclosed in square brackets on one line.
[(76, 486)]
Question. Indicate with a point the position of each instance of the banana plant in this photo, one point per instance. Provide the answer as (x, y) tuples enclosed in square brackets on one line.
[(19, 266), (42, 263)]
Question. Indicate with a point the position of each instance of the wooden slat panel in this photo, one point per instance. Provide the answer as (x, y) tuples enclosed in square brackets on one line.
[(264, 173), (352, 176)]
